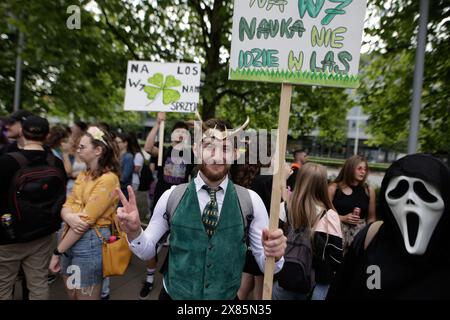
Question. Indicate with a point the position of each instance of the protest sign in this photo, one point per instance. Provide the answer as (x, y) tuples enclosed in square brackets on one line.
[(168, 87), (309, 42), (313, 42)]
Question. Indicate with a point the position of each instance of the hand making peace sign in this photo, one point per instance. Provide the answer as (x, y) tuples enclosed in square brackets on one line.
[(128, 215)]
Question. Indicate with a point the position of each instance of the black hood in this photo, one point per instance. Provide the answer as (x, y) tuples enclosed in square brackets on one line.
[(433, 171)]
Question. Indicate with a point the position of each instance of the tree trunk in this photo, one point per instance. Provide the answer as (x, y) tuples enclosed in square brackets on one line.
[(209, 110), (213, 66)]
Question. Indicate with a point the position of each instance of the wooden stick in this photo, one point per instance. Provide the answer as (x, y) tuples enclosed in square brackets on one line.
[(283, 123), (161, 143)]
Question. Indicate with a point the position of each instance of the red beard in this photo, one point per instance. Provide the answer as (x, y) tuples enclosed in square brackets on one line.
[(214, 172)]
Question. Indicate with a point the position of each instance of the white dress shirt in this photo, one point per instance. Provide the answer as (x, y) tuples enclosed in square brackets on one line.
[(145, 244)]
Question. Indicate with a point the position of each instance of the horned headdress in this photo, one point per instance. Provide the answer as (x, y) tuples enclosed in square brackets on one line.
[(215, 133)]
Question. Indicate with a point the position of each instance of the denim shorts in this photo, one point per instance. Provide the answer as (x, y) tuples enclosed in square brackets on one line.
[(83, 263), (320, 291)]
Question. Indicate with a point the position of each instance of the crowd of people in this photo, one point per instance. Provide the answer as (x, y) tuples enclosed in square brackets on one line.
[(92, 162), (212, 213)]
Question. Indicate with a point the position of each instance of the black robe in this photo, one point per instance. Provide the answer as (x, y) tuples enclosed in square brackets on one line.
[(401, 275)]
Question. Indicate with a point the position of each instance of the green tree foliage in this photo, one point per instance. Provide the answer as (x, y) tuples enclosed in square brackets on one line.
[(389, 69), (79, 71)]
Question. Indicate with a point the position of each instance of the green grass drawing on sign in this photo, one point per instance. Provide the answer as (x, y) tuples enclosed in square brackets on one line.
[(296, 77), (158, 85)]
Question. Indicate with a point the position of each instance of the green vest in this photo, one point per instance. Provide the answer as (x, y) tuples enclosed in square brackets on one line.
[(201, 268)]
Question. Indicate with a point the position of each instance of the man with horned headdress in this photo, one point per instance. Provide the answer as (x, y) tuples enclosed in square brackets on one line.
[(211, 222)]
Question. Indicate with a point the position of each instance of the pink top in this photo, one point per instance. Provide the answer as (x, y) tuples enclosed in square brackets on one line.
[(330, 224)]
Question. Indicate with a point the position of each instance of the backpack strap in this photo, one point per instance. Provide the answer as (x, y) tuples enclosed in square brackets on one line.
[(19, 157), (51, 159), (246, 204), (174, 200), (324, 212), (371, 233), (286, 211), (23, 161), (172, 204)]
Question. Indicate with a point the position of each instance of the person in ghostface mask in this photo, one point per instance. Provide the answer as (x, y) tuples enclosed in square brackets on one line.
[(407, 255)]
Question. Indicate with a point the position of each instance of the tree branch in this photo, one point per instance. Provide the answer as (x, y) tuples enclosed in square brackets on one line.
[(207, 8), (117, 33), (204, 27)]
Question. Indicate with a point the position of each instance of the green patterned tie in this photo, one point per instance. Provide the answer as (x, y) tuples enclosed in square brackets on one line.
[(210, 216)]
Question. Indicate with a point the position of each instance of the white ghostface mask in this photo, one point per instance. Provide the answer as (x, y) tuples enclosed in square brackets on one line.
[(417, 207)]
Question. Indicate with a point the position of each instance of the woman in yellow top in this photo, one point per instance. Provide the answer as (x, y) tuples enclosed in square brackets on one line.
[(91, 205)]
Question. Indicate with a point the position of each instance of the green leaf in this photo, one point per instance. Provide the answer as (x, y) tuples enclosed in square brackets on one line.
[(171, 81), (152, 92), (170, 95), (157, 80)]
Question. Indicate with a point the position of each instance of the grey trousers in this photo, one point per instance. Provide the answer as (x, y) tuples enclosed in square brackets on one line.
[(34, 257)]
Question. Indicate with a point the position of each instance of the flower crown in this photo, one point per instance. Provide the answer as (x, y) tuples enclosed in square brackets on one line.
[(97, 134)]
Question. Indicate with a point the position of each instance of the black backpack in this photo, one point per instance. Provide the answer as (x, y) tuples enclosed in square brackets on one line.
[(297, 274), (145, 177), (36, 196)]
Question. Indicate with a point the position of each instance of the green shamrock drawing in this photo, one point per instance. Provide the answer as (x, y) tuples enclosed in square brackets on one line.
[(158, 84)]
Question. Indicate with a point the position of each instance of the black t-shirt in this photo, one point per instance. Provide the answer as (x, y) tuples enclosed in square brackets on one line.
[(345, 204), (175, 169), (292, 178), (9, 166), (262, 185)]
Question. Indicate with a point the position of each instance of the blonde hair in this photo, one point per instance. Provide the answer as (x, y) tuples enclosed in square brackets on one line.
[(311, 189)]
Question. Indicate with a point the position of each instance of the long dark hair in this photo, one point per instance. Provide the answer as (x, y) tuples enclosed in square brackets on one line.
[(109, 159), (56, 135), (82, 125), (346, 176), (244, 174), (132, 143)]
